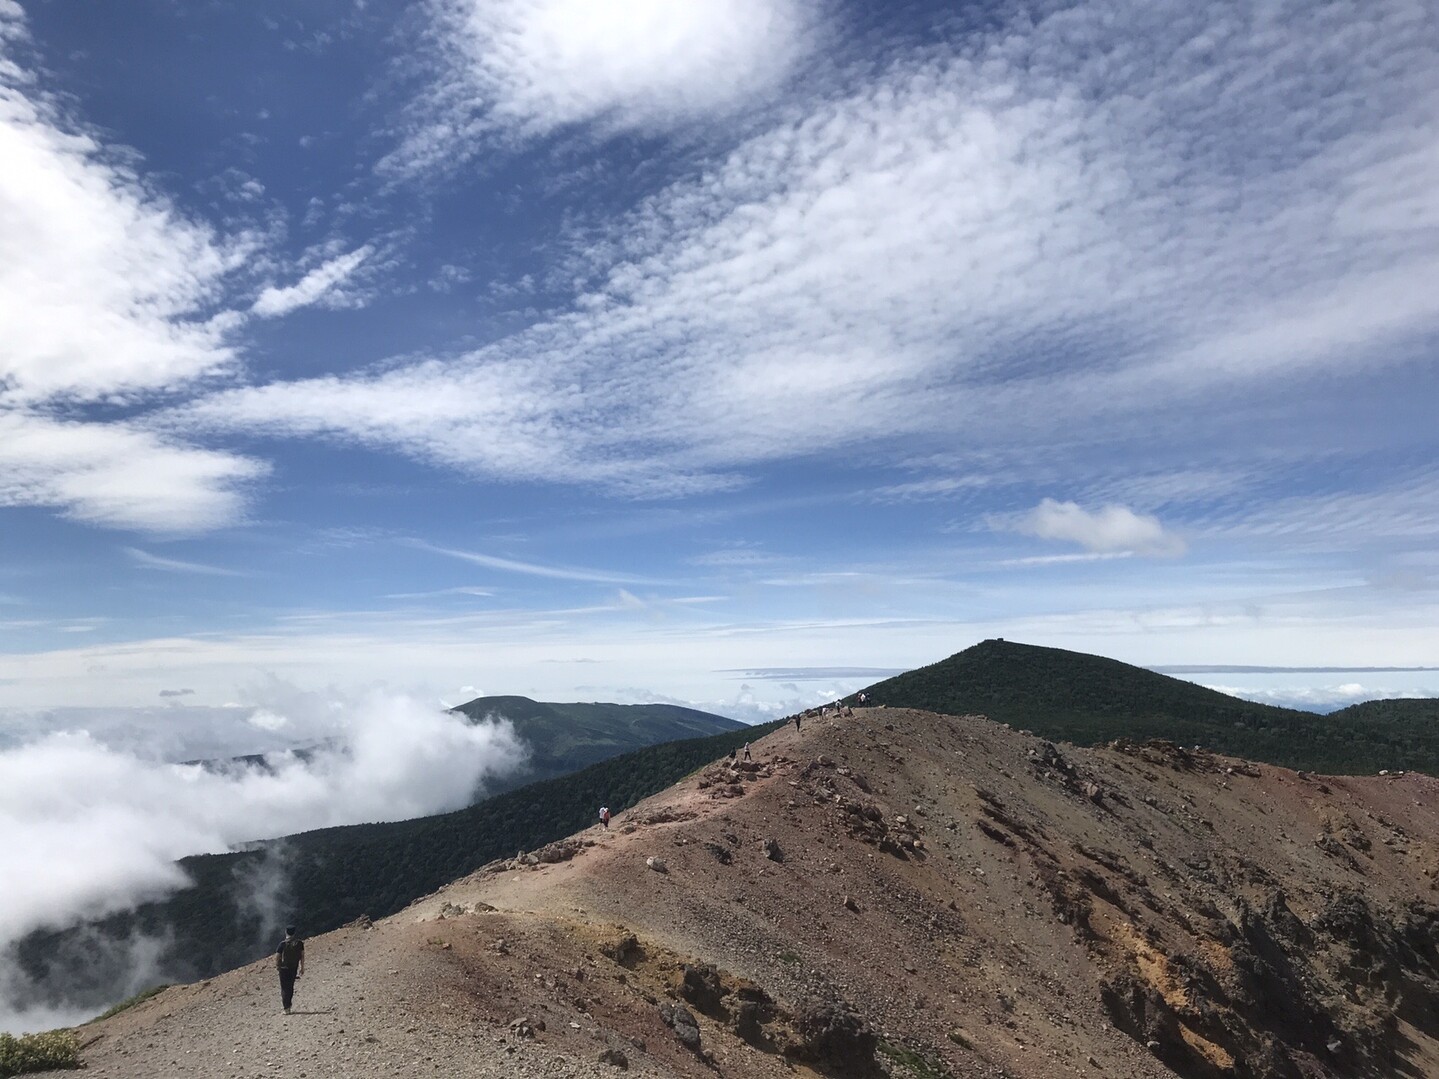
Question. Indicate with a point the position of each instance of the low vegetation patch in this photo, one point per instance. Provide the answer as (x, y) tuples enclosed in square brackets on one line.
[(38, 1052), (906, 1062), (130, 1002)]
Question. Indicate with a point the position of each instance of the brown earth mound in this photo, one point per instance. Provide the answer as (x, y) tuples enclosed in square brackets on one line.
[(893, 893)]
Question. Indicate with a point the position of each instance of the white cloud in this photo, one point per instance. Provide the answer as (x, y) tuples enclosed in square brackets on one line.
[(91, 829), (1110, 530), (105, 288), (515, 69), (115, 475), (321, 285), (966, 246), (109, 294)]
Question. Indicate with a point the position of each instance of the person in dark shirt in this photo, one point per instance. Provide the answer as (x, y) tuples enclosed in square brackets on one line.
[(290, 962)]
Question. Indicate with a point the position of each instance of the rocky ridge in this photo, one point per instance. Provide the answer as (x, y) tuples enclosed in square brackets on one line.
[(892, 893)]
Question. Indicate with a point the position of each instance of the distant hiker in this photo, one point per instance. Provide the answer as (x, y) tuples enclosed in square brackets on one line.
[(796, 723), (605, 817), (290, 962), (746, 752), (734, 754), (863, 698)]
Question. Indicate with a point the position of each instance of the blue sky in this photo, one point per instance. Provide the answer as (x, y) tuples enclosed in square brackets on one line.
[(706, 351)]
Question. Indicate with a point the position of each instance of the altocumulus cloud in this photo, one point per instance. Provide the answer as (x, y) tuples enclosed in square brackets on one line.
[(977, 236), (90, 829)]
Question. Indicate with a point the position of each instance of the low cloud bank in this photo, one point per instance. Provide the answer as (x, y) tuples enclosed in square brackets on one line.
[(1325, 698), (91, 829)]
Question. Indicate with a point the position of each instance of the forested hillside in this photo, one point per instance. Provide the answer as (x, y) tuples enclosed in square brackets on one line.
[(1090, 699), (566, 737)]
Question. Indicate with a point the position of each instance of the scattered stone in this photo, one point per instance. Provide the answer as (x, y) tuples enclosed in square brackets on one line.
[(850, 903), (679, 1019), (615, 1058), (772, 851), (560, 851), (657, 864)]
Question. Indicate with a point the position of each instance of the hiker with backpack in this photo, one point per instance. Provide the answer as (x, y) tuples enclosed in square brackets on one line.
[(605, 817), (290, 962)]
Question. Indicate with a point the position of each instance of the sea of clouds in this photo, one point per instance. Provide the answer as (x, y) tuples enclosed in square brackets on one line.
[(92, 826)]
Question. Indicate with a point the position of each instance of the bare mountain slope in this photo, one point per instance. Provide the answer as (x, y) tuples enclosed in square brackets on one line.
[(893, 893)]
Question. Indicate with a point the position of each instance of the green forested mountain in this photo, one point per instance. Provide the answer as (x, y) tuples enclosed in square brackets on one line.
[(1419, 712), (566, 737), (320, 880), (1089, 699)]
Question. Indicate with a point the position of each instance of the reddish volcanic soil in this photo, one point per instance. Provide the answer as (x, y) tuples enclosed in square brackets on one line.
[(893, 893)]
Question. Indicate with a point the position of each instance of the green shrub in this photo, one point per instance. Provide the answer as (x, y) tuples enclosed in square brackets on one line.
[(38, 1052)]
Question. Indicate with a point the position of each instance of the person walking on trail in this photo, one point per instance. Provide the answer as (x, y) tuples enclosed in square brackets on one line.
[(605, 817), (796, 722), (746, 752), (290, 962)]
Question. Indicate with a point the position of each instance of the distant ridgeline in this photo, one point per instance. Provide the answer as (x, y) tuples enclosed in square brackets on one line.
[(566, 737), (323, 879), (1090, 700)]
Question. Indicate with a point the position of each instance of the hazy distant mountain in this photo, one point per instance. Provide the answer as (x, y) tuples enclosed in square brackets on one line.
[(566, 737), (1090, 699), (562, 738)]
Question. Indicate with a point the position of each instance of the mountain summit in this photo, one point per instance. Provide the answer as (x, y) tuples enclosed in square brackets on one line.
[(894, 893), (1090, 700)]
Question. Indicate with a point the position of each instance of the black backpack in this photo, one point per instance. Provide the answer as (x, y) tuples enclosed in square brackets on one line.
[(289, 953)]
